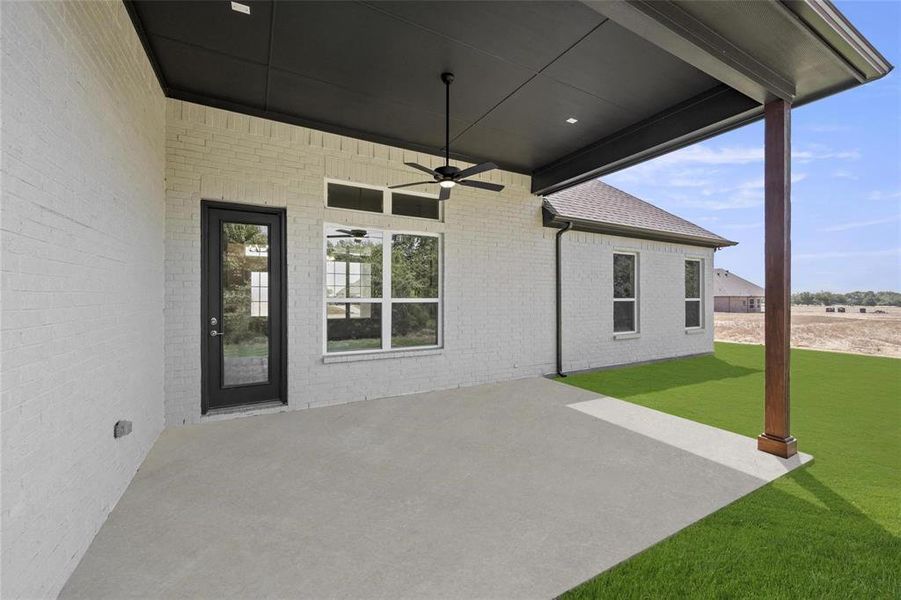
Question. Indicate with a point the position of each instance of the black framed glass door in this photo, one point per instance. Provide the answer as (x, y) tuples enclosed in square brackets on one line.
[(243, 306)]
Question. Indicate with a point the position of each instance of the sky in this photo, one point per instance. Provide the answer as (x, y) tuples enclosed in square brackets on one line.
[(846, 173)]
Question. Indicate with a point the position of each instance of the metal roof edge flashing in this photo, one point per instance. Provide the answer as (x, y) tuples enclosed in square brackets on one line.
[(554, 220)]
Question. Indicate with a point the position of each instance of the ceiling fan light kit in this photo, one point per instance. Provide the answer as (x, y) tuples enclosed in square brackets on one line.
[(448, 176)]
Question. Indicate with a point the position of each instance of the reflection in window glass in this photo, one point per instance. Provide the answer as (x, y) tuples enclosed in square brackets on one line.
[(259, 294), (414, 324), (692, 279), (409, 205), (693, 293), (354, 326), (624, 316), (414, 266), (624, 299), (692, 313), (245, 304), (623, 275), (353, 263), (355, 198)]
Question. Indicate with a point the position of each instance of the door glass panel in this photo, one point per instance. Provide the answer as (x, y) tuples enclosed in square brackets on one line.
[(245, 304)]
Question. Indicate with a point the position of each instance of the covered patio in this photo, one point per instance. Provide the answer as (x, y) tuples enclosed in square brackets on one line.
[(515, 490), (129, 127)]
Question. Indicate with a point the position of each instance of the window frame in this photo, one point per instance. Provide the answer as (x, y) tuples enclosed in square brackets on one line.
[(387, 299), (387, 200), (699, 299), (635, 293)]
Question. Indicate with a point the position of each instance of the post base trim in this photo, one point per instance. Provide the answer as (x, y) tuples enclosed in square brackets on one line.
[(783, 447)]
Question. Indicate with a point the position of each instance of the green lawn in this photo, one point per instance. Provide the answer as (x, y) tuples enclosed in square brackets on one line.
[(829, 530)]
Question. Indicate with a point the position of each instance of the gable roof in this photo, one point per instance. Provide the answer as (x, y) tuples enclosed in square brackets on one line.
[(597, 206), (730, 284)]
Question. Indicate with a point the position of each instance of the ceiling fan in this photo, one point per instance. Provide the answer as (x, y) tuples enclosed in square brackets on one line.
[(357, 234), (447, 176)]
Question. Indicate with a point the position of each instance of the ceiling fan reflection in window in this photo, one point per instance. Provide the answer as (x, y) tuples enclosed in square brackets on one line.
[(448, 176), (356, 234)]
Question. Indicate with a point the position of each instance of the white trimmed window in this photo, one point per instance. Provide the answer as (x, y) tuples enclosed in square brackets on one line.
[(366, 198), (625, 292), (382, 289), (693, 303), (259, 294)]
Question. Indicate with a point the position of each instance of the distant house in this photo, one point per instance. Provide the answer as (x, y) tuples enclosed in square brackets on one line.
[(732, 293)]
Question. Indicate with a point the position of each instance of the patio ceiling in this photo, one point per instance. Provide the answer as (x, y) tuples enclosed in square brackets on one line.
[(642, 78)]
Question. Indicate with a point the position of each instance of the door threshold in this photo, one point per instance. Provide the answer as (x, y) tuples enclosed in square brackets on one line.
[(244, 410)]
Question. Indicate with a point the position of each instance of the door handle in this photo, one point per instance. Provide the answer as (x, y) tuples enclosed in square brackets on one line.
[(214, 333)]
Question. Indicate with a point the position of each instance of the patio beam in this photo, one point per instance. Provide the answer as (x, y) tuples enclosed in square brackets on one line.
[(668, 26), (776, 437), (709, 113)]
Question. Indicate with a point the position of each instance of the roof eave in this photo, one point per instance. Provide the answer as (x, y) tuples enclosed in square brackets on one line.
[(551, 218)]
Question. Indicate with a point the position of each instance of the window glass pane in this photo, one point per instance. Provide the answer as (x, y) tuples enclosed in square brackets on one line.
[(245, 304), (356, 198), (623, 275), (414, 324), (353, 267), (692, 279), (414, 266), (624, 316), (414, 206), (692, 313), (353, 327)]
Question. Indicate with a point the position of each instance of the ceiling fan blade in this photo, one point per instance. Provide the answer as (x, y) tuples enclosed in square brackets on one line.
[(475, 170), (482, 185), (403, 185), (421, 168), (444, 193)]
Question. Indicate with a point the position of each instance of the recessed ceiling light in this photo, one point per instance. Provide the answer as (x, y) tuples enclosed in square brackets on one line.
[(241, 8), (572, 120)]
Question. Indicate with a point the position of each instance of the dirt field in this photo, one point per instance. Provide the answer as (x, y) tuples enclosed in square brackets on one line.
[(813, 327)]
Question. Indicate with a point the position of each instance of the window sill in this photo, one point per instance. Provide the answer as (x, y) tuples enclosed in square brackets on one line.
[(626, 336), (695, 331), (379, 354)]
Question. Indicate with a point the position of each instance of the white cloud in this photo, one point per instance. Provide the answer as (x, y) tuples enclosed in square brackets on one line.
[(755, 225), (861, 254), (880, 195), (747, 194), (861, 224), (843, 174), (827, 127)]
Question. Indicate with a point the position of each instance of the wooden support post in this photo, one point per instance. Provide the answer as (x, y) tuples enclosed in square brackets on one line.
[(776, 437)]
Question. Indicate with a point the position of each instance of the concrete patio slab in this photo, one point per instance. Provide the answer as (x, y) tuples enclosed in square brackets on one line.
[(495, 491), (724, 447)]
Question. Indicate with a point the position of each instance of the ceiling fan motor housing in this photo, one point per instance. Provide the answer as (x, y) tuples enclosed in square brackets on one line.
[(447, 171)]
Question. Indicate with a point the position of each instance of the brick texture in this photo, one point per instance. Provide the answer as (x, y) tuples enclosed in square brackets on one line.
[(498, 267), (82, 279), (588, 340)]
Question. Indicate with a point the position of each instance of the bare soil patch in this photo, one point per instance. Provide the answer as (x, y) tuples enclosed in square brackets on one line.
[(813, 327)]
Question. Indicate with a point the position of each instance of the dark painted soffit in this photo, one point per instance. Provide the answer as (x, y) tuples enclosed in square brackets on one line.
[(644, 78)]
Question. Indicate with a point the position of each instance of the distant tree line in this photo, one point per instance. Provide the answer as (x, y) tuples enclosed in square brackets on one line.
[(851, 298)]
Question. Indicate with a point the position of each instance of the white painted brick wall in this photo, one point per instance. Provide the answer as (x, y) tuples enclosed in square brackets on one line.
[(588, 339), (499, 267), (82, 279)]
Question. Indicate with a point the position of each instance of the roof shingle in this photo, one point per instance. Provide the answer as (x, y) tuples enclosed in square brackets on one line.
[(730, 284), (598, 203)]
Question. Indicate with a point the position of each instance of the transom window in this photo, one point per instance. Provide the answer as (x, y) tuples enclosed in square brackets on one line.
[(383, 200), (382, 289), (625, 292), (692, 294)]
